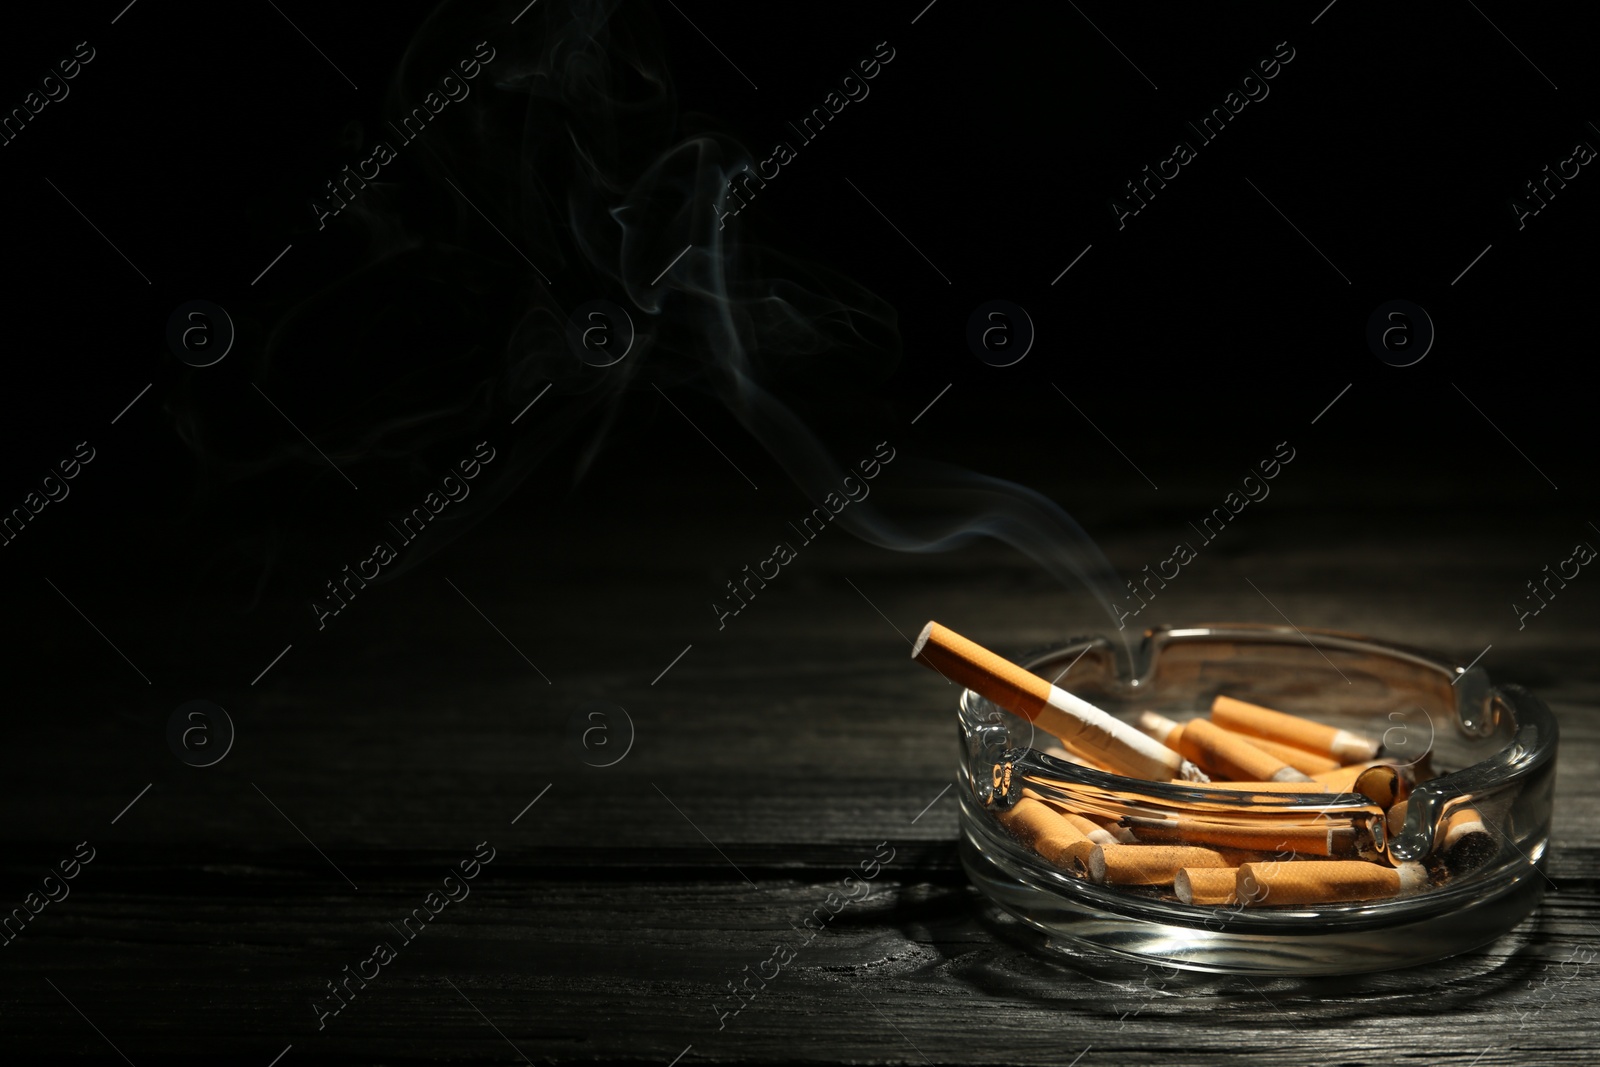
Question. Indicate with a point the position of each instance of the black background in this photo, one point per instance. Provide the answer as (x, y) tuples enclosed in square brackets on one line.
[(1196, 338), (1395, 141)]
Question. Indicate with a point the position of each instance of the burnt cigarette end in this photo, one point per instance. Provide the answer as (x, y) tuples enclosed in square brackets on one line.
[(1468, 844), (1470, 853)]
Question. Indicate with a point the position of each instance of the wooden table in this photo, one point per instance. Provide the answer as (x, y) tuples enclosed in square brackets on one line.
[(771, 757), (767, 761)]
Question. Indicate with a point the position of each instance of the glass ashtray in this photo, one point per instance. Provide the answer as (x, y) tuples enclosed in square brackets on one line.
[(1474, 747)]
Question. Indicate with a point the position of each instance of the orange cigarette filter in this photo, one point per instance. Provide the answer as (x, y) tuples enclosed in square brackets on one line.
[(1089, 829), (1343, 779), (1226, 755), (1396, 818), (1206, 885), (1325, 881), (1102, 833), (1160, 727), (1047, 832), (1081, 726), (1311, 839), (1382, 785), (1168, 732), (1468, 843), (1458, 826), (1462, 822), (1298, 758), (1148, 864), (1255, 721)]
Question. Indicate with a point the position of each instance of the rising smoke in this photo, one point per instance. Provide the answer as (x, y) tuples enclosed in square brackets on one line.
[(572, 146)]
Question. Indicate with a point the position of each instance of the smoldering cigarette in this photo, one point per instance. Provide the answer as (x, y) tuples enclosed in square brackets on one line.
[(1325, 881), (1080, 725), (1148, 864), (1048, 833), (1225, 755), (1206, 885), (1168, 732), (1255, 721), (1325, 838)]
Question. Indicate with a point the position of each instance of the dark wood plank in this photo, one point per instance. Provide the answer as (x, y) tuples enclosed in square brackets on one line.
[(608, 928)]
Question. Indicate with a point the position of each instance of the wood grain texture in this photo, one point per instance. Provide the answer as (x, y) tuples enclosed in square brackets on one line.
[(767, 763)]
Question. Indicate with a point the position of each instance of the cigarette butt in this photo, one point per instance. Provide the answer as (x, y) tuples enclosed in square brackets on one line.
[(1206, 885), (1100, 835), (1298, 758), (1462, 821), (1344, 778), (1327, 838), (1169, 732), (1464, 840), (1325, 881), (1396, 818), (1161, 728), (1148, 864), (1226, 755), (1255, 721), (1341, 779), (1096, 826), (1080, 725), (1468, 842), (1047, 832), (1381, 784), (1030, 820)]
